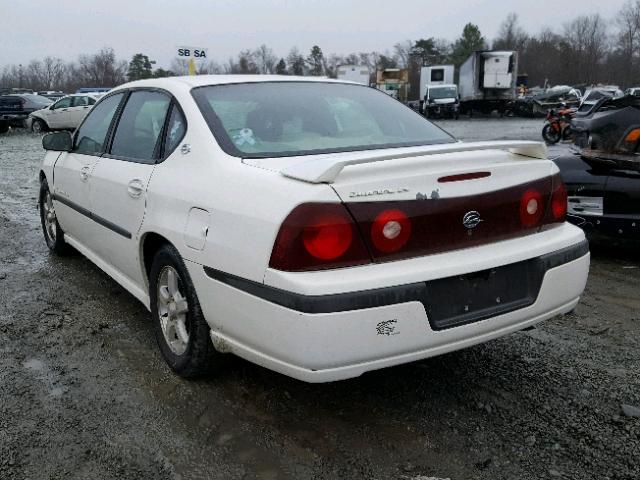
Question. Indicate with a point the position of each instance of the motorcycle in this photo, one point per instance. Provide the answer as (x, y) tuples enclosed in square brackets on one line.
[(558, 125)]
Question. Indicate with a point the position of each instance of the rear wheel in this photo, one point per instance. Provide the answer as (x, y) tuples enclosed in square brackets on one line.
[(53, 234), (180, 328), (4, 127), (550, 134), (39, 126)]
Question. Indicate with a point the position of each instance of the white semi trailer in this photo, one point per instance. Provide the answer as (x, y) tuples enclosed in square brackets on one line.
[(435, 75), (354, 73), (488, 81)]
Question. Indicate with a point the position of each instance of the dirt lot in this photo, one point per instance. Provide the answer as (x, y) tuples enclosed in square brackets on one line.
[(85, 394)]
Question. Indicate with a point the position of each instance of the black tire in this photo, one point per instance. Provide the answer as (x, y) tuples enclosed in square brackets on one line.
[(550, 134), (199, 357), (39, 126), (4, 127), (53, 233), (567, 133)]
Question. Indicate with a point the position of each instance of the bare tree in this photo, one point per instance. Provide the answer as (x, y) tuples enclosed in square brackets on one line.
[(584, 46), (265, 59), (102, 69), (53, 72), (628, 41), (510, 36), (402, 51), (296, 62)]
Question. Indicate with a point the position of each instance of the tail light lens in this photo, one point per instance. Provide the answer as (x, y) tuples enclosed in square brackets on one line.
[(531, 208), (390, 231), (317, 236), (558, 209)]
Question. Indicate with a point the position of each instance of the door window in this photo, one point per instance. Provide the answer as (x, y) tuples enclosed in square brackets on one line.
[(80, 101), (92, 134), (63, 103), (140, 126), (175, 131)]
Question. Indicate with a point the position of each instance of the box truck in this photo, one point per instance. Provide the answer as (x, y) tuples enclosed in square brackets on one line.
[(488, 81), (353, 73), (435, 75)]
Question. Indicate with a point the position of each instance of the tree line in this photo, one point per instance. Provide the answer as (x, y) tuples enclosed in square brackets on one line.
[(587, 50)]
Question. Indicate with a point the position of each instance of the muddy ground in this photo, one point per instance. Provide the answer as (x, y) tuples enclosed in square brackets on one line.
[(84, 393)]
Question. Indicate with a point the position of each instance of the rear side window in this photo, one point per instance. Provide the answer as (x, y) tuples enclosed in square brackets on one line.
[(80, 101), (140, 125), (92, 134), (175, 131), (63, 103)]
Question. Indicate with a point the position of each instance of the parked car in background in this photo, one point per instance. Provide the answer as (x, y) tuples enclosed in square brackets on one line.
[(603, 175), (14, 90), (15, 109), (93, 90), (65, 114), (635, 91), (593, 95), (52, 94), (553, 98), (314, 227)]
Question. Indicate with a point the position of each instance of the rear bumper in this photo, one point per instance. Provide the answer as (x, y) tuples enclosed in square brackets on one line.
[(337, 336), (14, 119)]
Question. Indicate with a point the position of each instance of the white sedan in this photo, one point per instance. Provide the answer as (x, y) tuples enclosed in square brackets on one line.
[(318, 228), (66, 113)]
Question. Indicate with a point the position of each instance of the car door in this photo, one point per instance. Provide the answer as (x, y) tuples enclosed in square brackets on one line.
[(80, 106), (72, 170), (120, 178), (56, 115)]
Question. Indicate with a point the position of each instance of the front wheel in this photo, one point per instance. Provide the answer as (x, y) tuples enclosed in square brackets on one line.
[(38, 126), (4, 127), (550, 134), (181, 331)]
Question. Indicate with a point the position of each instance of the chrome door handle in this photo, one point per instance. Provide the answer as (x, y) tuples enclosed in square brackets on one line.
[(84, 173), (135, 188)]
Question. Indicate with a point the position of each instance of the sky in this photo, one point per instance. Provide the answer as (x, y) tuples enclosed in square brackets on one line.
[(33, 29)]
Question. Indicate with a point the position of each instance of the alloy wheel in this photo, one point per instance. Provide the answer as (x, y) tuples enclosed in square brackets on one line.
[(49, 216), (172, 309)]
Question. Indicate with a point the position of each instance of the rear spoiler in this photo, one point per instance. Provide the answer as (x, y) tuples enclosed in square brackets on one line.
[(327, 169)]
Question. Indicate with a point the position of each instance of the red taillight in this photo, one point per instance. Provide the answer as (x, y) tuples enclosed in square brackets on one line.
[(318, 236), (531, 208), (559, 200), (328, 237), (390, 231)]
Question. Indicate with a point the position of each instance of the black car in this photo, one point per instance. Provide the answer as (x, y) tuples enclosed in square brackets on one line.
[(14, 109), (603, 175)]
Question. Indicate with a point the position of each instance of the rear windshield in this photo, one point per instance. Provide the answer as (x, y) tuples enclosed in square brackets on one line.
[(37, 99), (276, 119)]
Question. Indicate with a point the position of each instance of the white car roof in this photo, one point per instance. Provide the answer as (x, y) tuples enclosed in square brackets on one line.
[(203, 80)]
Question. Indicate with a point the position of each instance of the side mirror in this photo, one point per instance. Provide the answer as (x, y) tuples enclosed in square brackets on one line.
[(57, 141)]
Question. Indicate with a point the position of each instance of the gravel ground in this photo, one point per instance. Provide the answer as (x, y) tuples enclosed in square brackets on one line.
[(84, 392)]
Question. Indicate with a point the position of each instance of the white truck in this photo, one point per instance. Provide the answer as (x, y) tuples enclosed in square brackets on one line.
[(441, 101), (488, 81), (354, 73)]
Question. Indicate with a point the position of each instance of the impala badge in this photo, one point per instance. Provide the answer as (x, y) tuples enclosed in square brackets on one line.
[(471, 219)]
